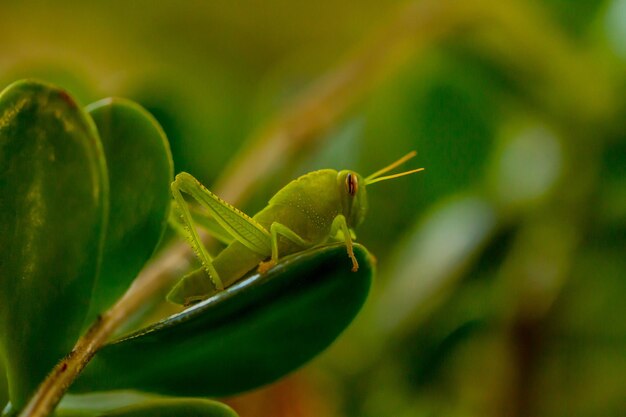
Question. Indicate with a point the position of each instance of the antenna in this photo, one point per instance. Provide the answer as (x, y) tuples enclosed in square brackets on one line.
[(388, 177), (376, 176)]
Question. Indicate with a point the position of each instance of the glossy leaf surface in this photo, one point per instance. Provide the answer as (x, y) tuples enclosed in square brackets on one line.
[(4, 388), (177, 407), (131, 404), (251, 334), (53, 208), (140, 172)]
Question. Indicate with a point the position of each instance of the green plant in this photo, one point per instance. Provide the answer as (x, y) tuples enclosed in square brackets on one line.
[(84, 205)]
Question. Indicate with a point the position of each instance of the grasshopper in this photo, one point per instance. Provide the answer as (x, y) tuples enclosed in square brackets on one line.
[(320, 206)]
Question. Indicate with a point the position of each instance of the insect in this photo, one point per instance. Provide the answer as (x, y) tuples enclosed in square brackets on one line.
[(321, 206)]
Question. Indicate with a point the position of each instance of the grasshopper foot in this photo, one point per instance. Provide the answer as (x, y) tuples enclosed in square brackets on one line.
[(355, 264), (189, 301), (266, 266)]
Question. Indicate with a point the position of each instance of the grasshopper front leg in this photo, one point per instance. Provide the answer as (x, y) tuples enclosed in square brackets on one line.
[(340, 224)]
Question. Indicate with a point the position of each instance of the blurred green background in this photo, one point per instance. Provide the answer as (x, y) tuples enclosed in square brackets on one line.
[(502, 267)]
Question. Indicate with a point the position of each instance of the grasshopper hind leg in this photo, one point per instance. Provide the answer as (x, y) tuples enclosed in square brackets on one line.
[(190, 232)]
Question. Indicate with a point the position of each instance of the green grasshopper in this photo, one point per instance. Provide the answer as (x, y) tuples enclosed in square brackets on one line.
[(321, 206)]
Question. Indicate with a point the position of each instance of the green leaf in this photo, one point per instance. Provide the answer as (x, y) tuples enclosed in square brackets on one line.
[(4, 387), (246, 336), (444, 109), (96, 403), (140, 173), (132, 403), (175, 407), (53, 209), (444, 242)]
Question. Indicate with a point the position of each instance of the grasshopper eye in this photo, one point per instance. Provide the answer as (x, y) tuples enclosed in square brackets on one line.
[(352, 184)]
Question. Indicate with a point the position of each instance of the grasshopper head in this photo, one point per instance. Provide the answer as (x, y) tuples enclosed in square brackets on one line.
[(353, 197), (352, 189)]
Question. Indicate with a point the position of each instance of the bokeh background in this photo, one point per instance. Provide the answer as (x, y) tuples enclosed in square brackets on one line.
[(502, 268)]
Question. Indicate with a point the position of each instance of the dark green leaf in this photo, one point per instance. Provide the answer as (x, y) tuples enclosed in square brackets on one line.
[(175, 407), (96, 403), (53, 208), (246, 336), (131, 403), (443, 243), (445, 110), (140, 172), (4, 387)]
